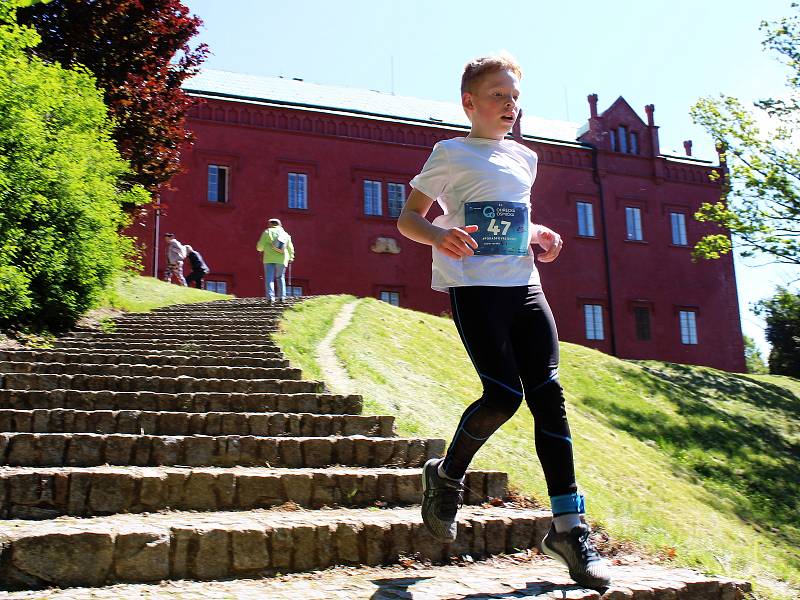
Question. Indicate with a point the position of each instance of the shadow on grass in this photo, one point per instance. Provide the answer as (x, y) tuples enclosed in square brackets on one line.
[(732, 433), (397, 588)]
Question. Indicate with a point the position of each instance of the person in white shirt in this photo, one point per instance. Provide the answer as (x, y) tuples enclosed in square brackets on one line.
[(482, 257)]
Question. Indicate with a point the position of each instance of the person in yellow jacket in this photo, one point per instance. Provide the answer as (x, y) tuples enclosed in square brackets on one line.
[(277, 250)]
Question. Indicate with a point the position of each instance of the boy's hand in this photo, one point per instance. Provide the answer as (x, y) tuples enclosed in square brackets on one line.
[(551, 242), (456, 242)]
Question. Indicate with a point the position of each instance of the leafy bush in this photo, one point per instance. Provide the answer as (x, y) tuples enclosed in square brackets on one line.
[(60, 202)]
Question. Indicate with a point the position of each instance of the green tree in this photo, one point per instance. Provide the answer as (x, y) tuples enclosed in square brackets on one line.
[(60, 204), (761, 150), (752, 356), (782, 314)]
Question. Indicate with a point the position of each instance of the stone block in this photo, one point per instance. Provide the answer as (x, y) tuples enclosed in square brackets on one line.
[(304, 555), (119, 449), (317, 452), (198, 450), (281, 541), (249, 549), (84, 450), (166, 451), (65, 559), (199, 491), (326, 551), (382, 450), (298, 487), (259, 491), (211, 560), (495, 529), (348, 542), (425, 544), (290, 453), (376, 542), (111, 493), (142, 556)]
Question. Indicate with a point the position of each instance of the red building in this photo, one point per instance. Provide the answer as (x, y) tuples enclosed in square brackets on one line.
[(334, 164)]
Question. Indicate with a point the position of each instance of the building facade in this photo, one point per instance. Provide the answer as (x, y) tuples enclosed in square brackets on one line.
[(334, 164)]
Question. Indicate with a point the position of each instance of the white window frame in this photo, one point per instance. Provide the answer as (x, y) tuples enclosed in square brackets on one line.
[(678, 227), (633, 223), (298, 190), (373, 205), (593, 321), (213, 285), (688, 319), (396, 198), (622, 137), (213, 179), (392, 298), (585, 218)]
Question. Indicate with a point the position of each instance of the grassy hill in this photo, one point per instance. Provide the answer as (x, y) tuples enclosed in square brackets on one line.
[(689, 464)]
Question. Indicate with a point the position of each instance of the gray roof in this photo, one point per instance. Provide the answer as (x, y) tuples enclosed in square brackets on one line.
[(295, 92)]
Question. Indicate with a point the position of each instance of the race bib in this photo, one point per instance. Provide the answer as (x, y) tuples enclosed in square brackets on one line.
[(502, 227)]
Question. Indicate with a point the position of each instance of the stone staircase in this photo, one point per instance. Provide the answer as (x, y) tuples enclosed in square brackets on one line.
[(182, 445)]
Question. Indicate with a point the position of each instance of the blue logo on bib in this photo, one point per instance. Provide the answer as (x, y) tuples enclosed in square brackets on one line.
[(488, 212)]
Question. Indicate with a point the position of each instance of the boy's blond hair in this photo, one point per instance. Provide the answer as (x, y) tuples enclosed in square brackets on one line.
[(478, 67)]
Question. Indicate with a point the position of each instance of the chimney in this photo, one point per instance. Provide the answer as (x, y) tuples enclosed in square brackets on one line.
[(687, 145), (651, 125), (650, 109), (592, 98), (516, 131)]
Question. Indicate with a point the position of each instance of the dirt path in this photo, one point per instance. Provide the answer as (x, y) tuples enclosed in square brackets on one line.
[(335, 375)]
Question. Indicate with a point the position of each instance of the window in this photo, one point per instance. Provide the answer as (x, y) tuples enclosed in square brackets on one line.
[(634, 143), (678, 222), (688, 327), (221, 287), (642, 318), (593, 315), (391, 297), (633, 219), (397, 197), (298, 190), (623, 139), (613, 135), (217, 183), (372, 197), (294, 290), (585, 219)]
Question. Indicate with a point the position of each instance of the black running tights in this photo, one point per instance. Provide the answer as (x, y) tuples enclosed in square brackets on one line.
[(510, 336)]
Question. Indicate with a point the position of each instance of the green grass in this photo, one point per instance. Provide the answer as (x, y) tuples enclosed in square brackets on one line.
[(688, 462), (133, 293)]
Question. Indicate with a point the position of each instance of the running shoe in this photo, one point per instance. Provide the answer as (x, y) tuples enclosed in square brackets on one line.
[(441, 499), (575, 550)]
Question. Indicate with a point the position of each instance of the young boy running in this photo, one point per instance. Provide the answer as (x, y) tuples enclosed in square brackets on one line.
[(482, 258)]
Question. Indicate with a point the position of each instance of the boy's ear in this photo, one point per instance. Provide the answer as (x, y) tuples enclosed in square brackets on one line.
[(466, 101)]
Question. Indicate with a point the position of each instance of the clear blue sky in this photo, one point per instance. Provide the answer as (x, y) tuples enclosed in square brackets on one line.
[(657, 52)]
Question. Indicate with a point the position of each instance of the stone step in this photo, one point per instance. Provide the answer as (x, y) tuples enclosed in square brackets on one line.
[(193, 348), (154, 357), (45, 493), (198, 337), (148, 370), (521, 575), (63, 420), (169, 385), (213, 545), (93, 449), (198, 402), (188, 326)]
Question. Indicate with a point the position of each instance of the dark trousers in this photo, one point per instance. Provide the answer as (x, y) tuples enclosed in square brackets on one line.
[(511, 338), (196, 277)]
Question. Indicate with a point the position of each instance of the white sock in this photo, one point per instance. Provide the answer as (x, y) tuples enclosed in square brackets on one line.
[(566, 522), (441, 472)]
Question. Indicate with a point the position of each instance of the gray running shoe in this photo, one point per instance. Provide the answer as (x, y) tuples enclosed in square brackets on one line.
[(575, 550), (441, 499)]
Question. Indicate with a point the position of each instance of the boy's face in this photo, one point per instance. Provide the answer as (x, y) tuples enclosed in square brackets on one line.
[(492, 104)]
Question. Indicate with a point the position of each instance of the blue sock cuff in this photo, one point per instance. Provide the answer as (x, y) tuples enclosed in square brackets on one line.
[(567, 504)]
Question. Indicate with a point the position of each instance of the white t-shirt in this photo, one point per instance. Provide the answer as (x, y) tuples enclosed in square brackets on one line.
[(467, 169)]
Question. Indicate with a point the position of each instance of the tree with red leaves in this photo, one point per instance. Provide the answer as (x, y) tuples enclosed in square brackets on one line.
[(139, 52)]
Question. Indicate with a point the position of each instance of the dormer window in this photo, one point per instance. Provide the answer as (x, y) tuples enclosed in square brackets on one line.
[(623, 140)]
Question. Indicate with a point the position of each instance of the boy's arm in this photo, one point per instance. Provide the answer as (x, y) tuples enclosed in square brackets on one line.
[(455, 242), (261, 240), (549, 240)]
